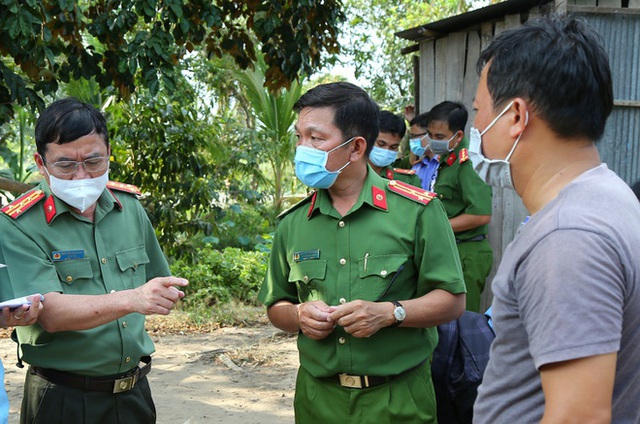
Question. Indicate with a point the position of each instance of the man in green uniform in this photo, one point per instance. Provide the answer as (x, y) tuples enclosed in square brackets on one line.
[(384, 154), (363, 269), (466, 198), (88, 246)]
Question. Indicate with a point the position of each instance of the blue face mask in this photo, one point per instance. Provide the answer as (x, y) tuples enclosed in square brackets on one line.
[(382, 157), (415, 144), (311, 166)]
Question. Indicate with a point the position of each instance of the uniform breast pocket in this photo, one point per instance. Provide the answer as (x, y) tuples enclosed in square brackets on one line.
[(376, 276), (132, 266), (309, 278), (73, 272)]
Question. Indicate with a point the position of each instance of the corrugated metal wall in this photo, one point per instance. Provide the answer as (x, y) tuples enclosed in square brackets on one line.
[(447, 72), (620, 145)]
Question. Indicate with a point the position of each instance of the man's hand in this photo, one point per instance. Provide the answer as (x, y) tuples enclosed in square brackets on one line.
[(314, 319), (362, 319), (22, 315), (159, 295)]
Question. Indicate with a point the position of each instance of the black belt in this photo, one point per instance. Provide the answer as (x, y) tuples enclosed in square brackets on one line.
[(364, 381), (117, 384), (476, 238)]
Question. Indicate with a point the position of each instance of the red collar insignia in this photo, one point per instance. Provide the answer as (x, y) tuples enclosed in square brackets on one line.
[(379, 198)]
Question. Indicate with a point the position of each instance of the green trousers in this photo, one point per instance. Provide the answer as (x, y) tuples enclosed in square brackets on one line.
[(407, 399), (48, 403), (476, 258)]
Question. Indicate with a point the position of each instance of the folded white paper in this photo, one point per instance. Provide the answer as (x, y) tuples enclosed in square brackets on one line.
[(19, 301)]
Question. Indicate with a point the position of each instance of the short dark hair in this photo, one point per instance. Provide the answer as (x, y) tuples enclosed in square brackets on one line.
[(559, 66), (392, 123), (421, 120), (453, 113), (355, 113), (67, 120)]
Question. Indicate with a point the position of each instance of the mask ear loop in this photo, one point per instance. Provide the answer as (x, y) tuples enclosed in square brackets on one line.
[(526, 121), (496, 118)]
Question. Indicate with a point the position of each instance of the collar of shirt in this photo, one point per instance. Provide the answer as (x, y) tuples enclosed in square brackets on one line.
[(323, 204), (106, 202), (445, 159)]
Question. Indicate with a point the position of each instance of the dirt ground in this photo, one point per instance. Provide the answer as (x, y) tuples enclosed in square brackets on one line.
[(241, 375)]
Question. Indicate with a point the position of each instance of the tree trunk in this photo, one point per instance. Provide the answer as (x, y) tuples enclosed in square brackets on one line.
[(15, 187)]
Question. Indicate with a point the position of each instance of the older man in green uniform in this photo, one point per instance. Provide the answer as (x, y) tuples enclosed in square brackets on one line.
[(88, 246), (383, 157), (363, 269), (466, 198)]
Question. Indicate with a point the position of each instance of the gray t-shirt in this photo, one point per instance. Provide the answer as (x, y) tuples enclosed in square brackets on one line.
[(568, 287)]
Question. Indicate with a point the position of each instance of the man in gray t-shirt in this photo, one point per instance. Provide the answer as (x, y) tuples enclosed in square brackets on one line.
[(566, 307)]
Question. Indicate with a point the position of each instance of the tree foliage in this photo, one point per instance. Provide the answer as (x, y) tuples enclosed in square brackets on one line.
[(43, 43), (273, 127), (370, 40)]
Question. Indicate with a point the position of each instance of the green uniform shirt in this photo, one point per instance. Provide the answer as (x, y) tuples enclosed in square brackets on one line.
[(408, 176), (72, 255), (319, 255), (461, 190)]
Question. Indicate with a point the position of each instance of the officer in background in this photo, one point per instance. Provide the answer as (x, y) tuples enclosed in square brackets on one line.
[(465, 196), (384, 154), (363, 270), (426, 161), (88, 246)]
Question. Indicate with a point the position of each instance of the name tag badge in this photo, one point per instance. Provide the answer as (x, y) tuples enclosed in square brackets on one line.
[(306, 255), (67, 255)]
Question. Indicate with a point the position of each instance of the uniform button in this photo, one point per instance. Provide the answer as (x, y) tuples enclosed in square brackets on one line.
[(342, 340), (69, 278), (343, 300), (341, 224), (383, 272), (127, 359), (124, 324), (305, 278), (103, 260), (112, 291), (343, 261)]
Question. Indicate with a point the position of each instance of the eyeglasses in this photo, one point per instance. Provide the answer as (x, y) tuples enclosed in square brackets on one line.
[(69, 167)]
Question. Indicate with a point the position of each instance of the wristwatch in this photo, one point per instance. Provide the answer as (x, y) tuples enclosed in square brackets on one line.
[(399, 313)]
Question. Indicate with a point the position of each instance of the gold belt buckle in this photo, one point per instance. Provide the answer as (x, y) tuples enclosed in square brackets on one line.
[(353, 381), (124, 384)]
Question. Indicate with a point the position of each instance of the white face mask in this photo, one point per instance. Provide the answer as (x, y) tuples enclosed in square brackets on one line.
[(495, 172), (80, 194)]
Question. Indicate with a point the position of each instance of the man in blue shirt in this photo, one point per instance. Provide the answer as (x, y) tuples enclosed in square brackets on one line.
[(427, 165)]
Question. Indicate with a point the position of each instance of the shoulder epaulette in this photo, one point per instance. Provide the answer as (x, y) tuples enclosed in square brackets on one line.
[(23, 203), (311, 195), (404, 171), (410, 192), (464, 155), (127, 188)]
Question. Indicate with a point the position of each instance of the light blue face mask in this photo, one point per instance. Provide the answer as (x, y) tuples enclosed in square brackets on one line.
[(311, 166), (382, 157), (415, 144)]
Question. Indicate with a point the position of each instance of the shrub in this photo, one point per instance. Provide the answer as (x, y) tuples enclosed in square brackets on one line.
[(222, 276)]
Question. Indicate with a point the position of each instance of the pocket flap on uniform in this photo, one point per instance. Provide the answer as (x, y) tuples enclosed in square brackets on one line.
[(382, 265), (308, 271), (70, 271), (132, 258)]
